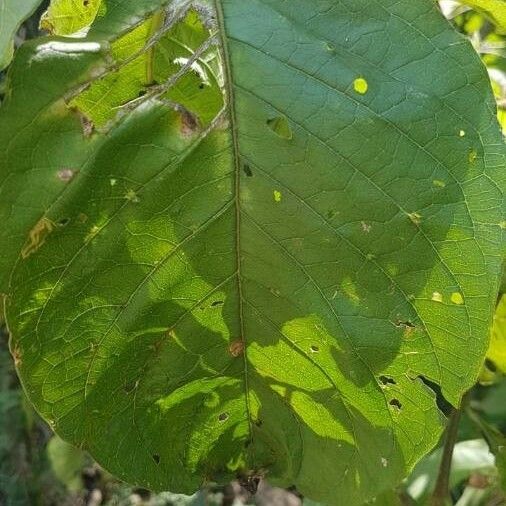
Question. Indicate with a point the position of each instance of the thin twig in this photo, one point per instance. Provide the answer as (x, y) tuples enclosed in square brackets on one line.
[(441, 494)]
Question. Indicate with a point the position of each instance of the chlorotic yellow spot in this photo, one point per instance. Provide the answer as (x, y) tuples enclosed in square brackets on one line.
[(438, 183), (462, 133), (330, 47), (350, 290), (92, 233), (437, 297), (416, 218), (132, 196), (360, 85), (473, 155), (277, 196), (503, 225), (457, 298)]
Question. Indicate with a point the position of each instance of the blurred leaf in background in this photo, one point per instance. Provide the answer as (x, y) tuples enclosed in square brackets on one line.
[(12, 14)]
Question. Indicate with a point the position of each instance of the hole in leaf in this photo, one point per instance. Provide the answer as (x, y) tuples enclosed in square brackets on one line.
[(217, 303), (64, 222), (387, 380), (395, 403), (223, 417), (202, 86), (315, 349), (280, 126), (156, 458), (443, 405), (259, 423), (405, 324)]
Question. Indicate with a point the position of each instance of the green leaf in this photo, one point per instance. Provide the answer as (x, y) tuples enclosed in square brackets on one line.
[(285, 287), (495, 10), (12, 14)]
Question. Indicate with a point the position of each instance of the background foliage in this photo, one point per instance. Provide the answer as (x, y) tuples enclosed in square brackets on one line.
[(38, 468)]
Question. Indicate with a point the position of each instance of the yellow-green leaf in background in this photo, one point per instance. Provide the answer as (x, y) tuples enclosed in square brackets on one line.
[(67, 462), (64, 17), (495, 10), (198, 91), (497, 350)]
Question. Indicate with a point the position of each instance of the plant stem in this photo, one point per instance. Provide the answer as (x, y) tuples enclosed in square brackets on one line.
[(441, 494)]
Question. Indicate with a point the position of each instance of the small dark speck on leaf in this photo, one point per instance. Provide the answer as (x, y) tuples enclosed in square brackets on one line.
[(223, 417), (64, 222), (247, 170), (315, 349), (395, 403), (156, 458), (217, 303), (202, 86), (259, 423)]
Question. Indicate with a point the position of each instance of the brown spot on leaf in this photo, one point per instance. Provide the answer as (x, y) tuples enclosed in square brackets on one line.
[(88, 126), (236, 348), (66, 175), (16, 355), (188, 122)]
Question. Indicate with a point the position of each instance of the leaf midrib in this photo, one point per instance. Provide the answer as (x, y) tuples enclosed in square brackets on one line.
[(230, 98)]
